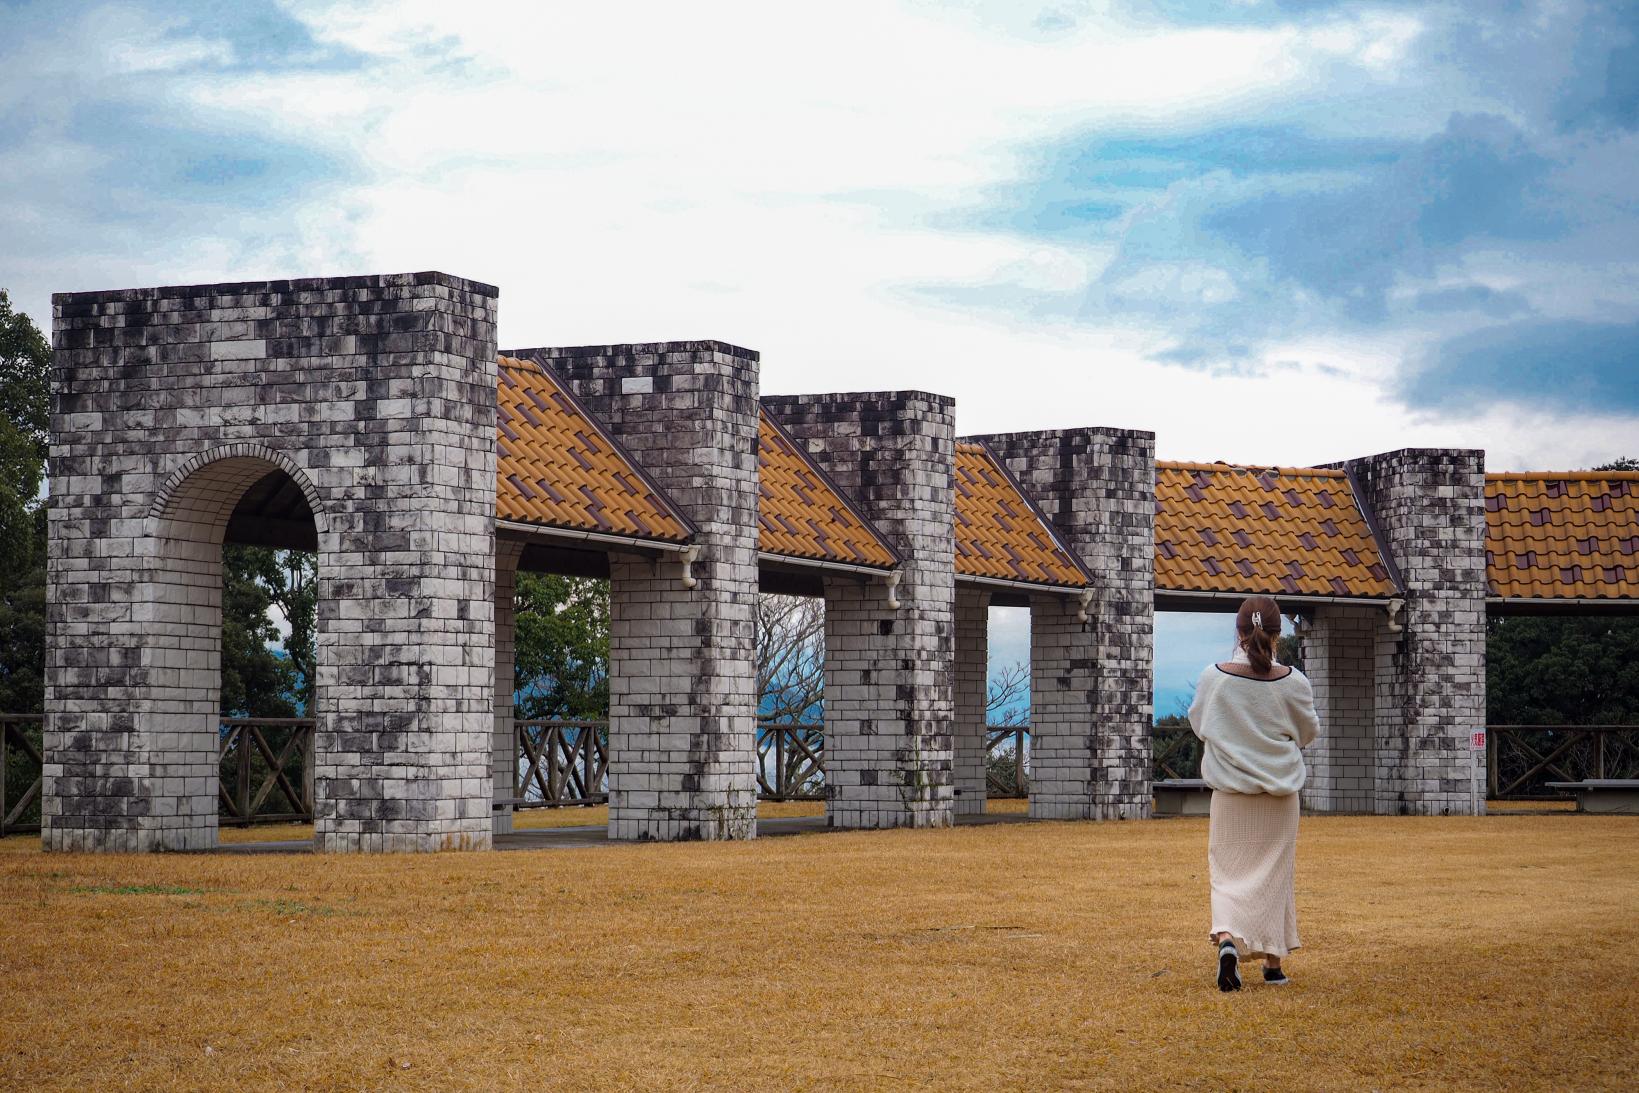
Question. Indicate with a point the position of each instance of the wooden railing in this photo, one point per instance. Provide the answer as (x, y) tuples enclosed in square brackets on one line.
[(266, 767), (561, 763), (1175, 752), (1522, 759), (20, 769), (267, 763), (790, 761), (1007, 760)]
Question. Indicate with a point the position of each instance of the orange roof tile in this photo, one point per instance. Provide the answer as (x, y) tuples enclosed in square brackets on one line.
[(801, 513), (1562, 536), (1000, 533), (1297, 530), (557, 467)]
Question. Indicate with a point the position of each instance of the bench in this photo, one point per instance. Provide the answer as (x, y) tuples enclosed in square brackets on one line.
[(1619, 795), (1182, 797)]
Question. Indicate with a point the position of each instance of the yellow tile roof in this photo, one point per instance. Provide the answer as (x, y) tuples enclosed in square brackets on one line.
[(999, 533), (557, 467), (1296, 530), (801, 513), (1563, 536)]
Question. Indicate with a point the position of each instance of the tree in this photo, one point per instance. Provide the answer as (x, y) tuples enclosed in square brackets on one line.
[(25, 399), (561, 655), (263, 676)]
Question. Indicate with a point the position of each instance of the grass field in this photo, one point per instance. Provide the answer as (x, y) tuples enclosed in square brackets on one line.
[(1473, 953)]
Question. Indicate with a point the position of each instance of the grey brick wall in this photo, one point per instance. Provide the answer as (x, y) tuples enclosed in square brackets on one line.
[(377, 395), (1430, 504), (888, 685), (971, 681), (1091, 691), (1339, 657), (682, 668)]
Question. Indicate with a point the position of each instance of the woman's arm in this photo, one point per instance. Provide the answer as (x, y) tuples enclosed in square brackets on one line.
[(1304, 718), (1197, 707)]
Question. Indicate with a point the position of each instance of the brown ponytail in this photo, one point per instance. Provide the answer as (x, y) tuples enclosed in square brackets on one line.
[(1258, 641)]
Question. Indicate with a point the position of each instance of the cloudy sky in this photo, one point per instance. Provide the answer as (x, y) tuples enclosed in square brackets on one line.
[(1286, 231)]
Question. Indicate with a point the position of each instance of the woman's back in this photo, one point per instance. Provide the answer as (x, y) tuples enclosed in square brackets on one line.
[(1252, 726)]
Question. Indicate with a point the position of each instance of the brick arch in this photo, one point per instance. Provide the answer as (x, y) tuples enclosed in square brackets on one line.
[(206, 487)]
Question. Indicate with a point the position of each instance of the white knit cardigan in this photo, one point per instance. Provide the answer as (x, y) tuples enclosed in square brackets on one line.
[(1251, 730)]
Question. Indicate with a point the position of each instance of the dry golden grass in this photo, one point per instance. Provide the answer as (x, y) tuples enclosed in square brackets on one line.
[(1473, 953)]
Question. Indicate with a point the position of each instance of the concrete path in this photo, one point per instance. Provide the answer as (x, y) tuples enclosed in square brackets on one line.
[(569, 838)]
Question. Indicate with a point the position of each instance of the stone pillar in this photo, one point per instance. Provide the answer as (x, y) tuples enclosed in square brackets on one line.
[(505, 746), (1091, 690), (682, 661), (1429, 505), (972, 691), (888, 686), (376, 396), (1339, 657)]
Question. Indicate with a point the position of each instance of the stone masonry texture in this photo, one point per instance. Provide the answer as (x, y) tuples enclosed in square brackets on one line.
[(1339, 657), (1430, 694), (377, 396), (888, 673), (1091, 699), (682, 667), (972, 693)]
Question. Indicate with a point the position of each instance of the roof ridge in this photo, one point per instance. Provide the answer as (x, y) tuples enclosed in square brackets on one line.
[(1562, 476), (1249, 468)]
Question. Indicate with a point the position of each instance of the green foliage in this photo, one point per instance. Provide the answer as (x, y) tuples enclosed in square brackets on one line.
[(1562, 671), (256, 680), (561, 661), (25, 398)]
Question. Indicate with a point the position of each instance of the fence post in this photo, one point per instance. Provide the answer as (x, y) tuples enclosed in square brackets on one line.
[(1599, 762), (5, 773), (244, 775), (1491, 783), (310, 748)]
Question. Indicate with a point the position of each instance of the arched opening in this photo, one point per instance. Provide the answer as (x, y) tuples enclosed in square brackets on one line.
[(233, 606)]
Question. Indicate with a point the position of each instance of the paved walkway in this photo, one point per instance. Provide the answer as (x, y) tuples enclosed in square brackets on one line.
[(568, 838)]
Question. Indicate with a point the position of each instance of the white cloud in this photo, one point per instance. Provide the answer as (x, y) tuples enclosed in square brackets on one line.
[(779, 179)]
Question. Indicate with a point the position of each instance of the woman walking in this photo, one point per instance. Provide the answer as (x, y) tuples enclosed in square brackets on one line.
[(1253, 715)]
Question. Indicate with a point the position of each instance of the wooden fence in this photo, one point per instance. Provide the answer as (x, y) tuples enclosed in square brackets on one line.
[(1521, 759), (266, 768), (20, 767), (561, 763), (267, 763), (790, 761)]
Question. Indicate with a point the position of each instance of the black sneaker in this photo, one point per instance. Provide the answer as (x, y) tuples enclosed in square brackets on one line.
[(1229, 972), (1275, 977)]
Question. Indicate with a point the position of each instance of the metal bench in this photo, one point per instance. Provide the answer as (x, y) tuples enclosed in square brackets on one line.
[(1182, 797), (1619, 795)]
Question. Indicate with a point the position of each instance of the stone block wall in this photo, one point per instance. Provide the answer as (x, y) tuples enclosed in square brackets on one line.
[(888, 682), (682, 661), (376, 395), (971, 681), (1091, 689), (1430, 506), (1339, 657)]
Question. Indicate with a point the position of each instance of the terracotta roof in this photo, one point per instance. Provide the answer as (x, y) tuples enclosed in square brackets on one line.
[(801, 513), (1292, 530), (557, 467), (1562, 536), (1000, 533)]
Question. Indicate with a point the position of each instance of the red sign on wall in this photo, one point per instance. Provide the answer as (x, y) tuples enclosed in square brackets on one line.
[(1477, 739)]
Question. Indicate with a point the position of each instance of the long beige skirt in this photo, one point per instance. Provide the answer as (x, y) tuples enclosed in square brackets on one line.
[(1252, 855)]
